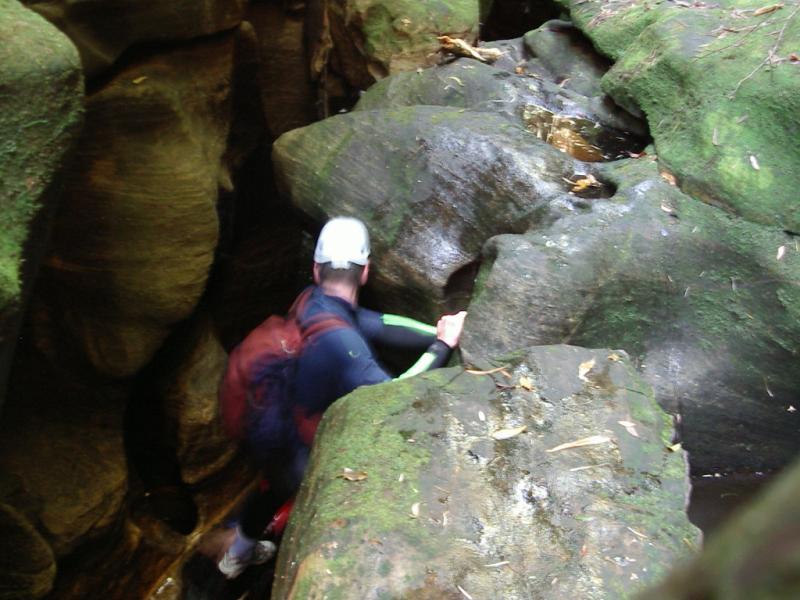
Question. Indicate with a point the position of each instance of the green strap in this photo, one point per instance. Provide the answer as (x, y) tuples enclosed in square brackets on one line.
[(422, 365), (405, 322)]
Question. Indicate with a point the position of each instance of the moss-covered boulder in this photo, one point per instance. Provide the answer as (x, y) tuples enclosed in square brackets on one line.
[(102, 30), (755, 555), (552, 479), (432, 184), (138, 227), (720, 89), (705, 303), (41, 108), (365, 40)]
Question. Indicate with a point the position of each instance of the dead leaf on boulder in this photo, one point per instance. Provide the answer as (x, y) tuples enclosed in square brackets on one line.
[(504, 434), (630, 427), (584, 368), (669, 177), (526, 383), (351, 475), (765, 10), (587, 441)]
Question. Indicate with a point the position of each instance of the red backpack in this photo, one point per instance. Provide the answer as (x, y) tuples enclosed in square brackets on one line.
[(255, 389)]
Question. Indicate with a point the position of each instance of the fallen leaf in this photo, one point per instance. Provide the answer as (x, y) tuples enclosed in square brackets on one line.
[(415, 510), (667, 209), (675, 447), (754, 163), (714, 138), (636, 154), (490, 54), (457, 80), (584, 183), (587, 441), (765, 10), (526, 383), (498, 564), (504, 434), (585, 467), (489, 372), (584, 368), (793, 57), (463, 591), (781, 252), (459, 47), (791, 409), (481, 415), (406, 21), (519, 70), (630, 427), (669, 178), (351, 475), (634, 532), (139, 80), (614, 357)]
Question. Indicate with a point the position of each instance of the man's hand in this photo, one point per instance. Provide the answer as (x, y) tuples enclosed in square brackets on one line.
[(449, 327)]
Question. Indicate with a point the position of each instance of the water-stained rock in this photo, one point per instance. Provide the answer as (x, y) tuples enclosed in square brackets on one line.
[(719, 87), (705, 303), (102, 30), (753, 556), (365, 40), (431, 183), (589, 128), (27, 565), (287, 94), (189, 384), (551, 479), (138, 226), (41, 110)]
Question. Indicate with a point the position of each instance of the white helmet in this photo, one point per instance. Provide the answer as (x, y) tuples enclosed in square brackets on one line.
[(342, 241)]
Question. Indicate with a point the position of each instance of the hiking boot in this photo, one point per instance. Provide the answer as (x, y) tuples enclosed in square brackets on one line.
[(232, 566)]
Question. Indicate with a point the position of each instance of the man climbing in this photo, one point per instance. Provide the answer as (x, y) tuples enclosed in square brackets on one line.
[(337, 358)]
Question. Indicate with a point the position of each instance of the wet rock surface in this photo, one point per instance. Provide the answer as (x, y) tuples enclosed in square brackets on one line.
[(695, 296), (458, 483), (431, 183), (40, 117)]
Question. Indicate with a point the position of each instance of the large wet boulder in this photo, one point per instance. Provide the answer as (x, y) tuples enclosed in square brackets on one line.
[(705, 303), (432, 184), (755, 555), (365, 40), (41, 109), (138, 227), (551, 479), (718, 84), (103, 30), (588, 127)]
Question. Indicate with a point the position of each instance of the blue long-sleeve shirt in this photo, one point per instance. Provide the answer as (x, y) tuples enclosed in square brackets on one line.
[(338, 361)]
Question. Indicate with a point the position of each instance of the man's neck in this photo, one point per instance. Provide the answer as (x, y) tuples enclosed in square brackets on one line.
[(341, 290)]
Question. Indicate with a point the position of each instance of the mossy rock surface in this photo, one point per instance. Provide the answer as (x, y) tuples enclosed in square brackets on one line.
[(755, 555), (705, 303), (41, 110), (442, 503), (720, 90), (366, 40)]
